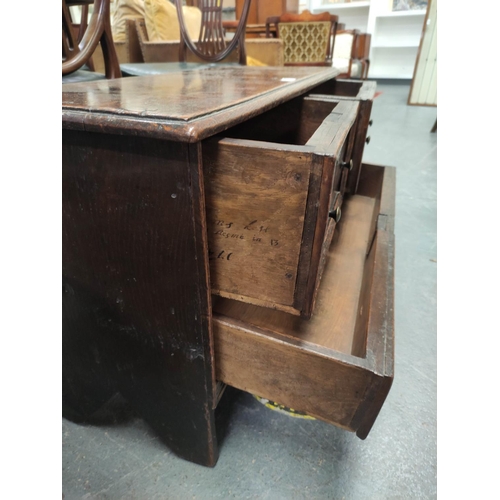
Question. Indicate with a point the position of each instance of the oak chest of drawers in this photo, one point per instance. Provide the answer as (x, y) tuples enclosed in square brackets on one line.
[(183, 192)]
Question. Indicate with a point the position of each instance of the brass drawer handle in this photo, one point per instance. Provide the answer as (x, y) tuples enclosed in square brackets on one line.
[(336, 214), (348, 165)]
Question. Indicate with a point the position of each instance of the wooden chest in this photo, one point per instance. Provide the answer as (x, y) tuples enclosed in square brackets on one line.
[(149, 166), (363, 92), (274, 188)]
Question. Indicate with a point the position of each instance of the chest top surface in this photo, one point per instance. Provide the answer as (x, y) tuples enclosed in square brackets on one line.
[(186, 105)]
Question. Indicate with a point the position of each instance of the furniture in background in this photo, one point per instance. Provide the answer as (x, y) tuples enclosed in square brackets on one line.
[(395, 34), (423, 89), (345, 54), (251, 31), (363, 43), (78, 48), (261, 51), (260, 10), (307, 38), (155, 168), (210, 46)]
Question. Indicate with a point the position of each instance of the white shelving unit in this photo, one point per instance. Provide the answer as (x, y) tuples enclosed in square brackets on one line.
[(353, 14), (395, 34)]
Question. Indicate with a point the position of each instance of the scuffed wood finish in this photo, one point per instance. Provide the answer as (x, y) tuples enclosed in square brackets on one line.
[(330, 366), (363, 92), (269, 203), (187, 106), (136, 301)]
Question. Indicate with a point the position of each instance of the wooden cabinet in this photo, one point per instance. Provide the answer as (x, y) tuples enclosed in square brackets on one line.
[(260, 10), (151, 165)]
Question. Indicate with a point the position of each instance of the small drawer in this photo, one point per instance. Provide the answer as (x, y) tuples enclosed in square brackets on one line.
[(363, 92), (269, 185), (338, 365)]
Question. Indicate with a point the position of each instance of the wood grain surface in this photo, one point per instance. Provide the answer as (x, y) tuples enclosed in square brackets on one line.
[(136, 301), (186, 106), (268, 203), (337, 366)]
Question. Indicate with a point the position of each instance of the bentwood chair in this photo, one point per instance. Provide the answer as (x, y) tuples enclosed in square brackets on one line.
[(210, 47), (80, 40), (308, 39)]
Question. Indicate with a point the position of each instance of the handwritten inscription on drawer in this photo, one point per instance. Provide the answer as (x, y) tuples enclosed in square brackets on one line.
[(256, 200)]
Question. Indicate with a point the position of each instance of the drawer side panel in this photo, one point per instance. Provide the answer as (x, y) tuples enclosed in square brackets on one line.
[(256, 201)]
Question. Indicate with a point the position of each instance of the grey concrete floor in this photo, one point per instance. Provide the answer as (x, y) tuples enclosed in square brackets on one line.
[(266, 454)]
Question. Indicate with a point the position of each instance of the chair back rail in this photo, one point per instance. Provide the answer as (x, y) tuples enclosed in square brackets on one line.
[(212, 46), (78, 48)]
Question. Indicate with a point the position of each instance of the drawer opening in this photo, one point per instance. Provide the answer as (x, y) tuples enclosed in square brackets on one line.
[(338, 365), (293, 122), (340, 88), (341, 305)]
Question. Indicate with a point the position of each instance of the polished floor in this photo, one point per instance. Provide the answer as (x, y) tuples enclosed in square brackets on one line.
[(266, 454)]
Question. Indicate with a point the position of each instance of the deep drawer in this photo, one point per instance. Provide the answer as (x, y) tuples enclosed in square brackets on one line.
[(363, 92), (270, 184), (337, 366)]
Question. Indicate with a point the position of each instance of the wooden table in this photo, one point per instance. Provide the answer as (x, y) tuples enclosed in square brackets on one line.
[(137, 305)]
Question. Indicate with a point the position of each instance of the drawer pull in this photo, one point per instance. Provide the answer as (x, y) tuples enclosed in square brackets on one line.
[(368, 139), (348, 165), (370, 123), (336, 214)]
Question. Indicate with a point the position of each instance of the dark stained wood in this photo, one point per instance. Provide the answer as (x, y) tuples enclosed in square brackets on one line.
[(176, 107), (320, 366), (137, 313), (363, 92), (135, 276)]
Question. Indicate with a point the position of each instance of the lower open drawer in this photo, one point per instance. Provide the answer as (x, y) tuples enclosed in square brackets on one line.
[(338, 365)]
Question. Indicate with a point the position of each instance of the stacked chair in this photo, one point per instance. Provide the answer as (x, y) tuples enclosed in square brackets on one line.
[(80, 41)]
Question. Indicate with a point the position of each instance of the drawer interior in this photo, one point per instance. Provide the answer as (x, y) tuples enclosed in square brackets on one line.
[(336, 366), (293, 122), (354, 89), (342, 88)]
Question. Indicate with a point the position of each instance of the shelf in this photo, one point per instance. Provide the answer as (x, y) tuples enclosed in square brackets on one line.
[(395, 46), (404, 13), (337, 6)]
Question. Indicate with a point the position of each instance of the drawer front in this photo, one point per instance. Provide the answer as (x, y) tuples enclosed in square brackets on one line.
[(337, 366), (363, 92), (268, 203)]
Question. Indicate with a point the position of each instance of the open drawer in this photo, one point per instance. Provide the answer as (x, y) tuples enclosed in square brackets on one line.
[(274, 186), (337, 366), (363, 92)]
